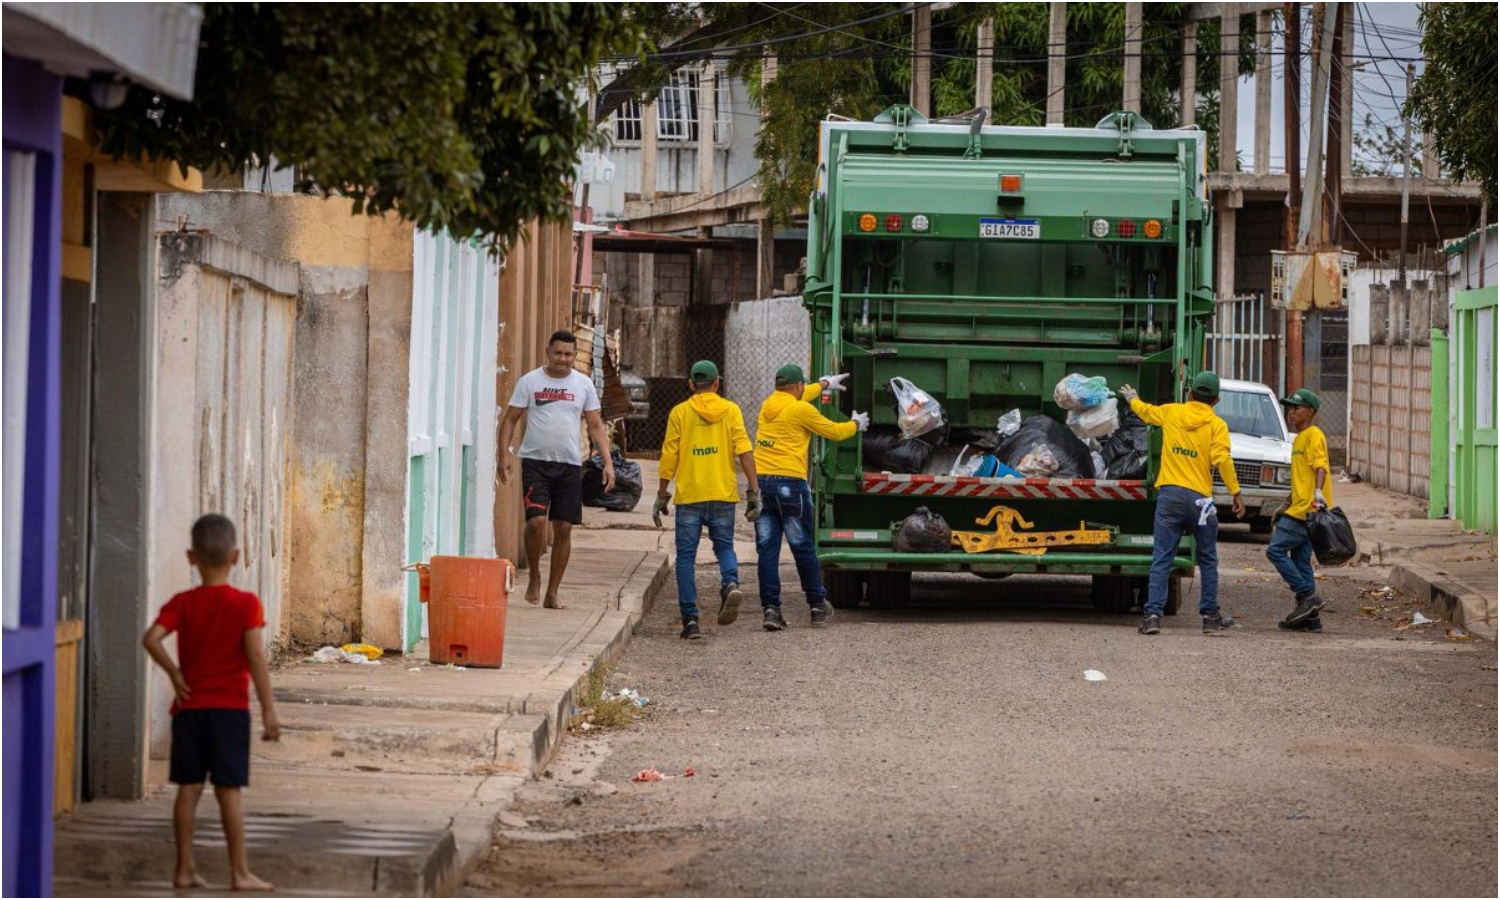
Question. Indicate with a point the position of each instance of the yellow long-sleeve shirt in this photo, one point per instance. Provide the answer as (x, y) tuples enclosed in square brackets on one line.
[(785, 427), (1309, 454), (1194, 442), (705, 436)]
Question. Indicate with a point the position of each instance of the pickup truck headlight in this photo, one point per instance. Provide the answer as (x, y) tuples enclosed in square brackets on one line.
[(1282, 474)]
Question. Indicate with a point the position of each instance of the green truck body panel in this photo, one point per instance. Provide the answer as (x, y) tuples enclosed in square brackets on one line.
[(1004, 286)]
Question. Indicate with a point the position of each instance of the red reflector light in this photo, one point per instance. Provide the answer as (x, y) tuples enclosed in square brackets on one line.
[(892, 222), (1010, 184), (1126, 228)]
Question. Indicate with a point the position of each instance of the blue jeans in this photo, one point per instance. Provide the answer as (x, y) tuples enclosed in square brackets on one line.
[(718, 515), (788, 510), (1291, 553), (1177, 514)]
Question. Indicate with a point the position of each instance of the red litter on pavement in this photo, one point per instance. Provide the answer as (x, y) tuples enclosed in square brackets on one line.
[(652, 774)]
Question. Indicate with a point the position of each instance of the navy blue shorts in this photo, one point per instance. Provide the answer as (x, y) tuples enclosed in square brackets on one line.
[(212, 744)]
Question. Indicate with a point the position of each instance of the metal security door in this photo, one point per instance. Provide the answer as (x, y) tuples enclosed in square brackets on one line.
[(451, 425)]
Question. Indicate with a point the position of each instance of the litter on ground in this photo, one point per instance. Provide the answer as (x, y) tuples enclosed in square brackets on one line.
[(1094, 675), (652, 774), (331, 654), (625, 694)]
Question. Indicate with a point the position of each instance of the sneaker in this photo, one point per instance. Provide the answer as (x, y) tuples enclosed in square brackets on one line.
[(1216, 623), (1151, 625), (771, 619), (729, 603), (1311, 623), (1307, 606), (690, 630), (820, 614)]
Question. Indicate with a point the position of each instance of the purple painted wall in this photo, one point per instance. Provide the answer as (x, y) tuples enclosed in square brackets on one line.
[(32, 122)]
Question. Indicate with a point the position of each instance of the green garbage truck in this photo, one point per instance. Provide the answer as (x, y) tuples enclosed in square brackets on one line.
[(982, 266)]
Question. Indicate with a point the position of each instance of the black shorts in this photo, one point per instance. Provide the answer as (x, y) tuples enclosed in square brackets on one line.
[(211, 743), (552, 489)]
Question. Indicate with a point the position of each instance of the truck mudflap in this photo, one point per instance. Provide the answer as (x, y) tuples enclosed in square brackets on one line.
[(1013, 488)]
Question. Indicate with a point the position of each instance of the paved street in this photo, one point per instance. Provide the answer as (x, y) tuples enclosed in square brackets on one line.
[(955, 748)]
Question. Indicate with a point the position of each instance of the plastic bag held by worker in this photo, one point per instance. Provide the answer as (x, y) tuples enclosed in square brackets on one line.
[(1078, 392), (1044, 448), (627, 492), (923, 531), (1100, 421), (1125, 450), (917, 412), (1332, 536)]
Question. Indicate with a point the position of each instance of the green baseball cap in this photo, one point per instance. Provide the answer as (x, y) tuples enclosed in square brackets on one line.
[(1206, 385), (1302, 397), (791, 373), (704, 372)]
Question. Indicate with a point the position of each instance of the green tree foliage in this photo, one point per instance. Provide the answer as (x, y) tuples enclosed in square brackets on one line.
[(458, 116), (854, 59), (1454, 98)]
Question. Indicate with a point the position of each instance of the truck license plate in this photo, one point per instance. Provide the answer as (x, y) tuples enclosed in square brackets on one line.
[(1010, 229)]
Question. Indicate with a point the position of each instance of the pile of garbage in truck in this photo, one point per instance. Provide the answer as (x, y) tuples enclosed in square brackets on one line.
[(1098, 440)]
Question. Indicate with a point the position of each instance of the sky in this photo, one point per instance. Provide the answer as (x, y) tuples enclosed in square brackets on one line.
[(1381, 31)]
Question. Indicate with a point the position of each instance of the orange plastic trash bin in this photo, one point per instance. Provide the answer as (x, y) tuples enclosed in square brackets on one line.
[(466, 610)]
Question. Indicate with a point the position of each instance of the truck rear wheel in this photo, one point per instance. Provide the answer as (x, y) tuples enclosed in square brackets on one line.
[(888, 590), (844, 588)]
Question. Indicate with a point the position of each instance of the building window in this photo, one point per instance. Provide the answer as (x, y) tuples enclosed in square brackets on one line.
[(677, 112)]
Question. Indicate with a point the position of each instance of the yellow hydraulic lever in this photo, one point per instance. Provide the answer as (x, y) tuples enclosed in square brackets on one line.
[(1006, 539)]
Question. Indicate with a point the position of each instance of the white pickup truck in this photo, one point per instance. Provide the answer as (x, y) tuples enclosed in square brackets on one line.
[(1261, 447)]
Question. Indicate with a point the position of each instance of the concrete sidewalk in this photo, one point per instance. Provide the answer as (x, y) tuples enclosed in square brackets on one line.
[(388, 778)]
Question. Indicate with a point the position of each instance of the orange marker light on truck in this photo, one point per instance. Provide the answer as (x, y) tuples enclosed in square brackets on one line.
[(1152, 228), (1010, 184), (867, 222)]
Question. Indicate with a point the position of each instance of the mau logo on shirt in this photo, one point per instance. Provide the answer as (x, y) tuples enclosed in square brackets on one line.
[(552, 395), (705, 451), (1184, 451)]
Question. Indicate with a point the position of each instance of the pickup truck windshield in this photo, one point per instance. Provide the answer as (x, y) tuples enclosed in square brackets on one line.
[(1251, 412)]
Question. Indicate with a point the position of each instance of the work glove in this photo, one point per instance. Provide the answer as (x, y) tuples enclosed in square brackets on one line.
[(1319, 502), (861, 419), (1127, 392), (835, 382), (659, 508), (752, 505)]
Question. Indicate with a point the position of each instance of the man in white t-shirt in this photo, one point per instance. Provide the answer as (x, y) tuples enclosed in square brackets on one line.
[(553, 399)]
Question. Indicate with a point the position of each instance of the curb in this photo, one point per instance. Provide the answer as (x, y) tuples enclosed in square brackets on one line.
[(1453, 601)]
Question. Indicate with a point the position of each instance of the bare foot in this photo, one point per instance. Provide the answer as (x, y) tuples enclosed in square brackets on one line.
[(249, 882), (552, 603), (186, 882), (533, 593)]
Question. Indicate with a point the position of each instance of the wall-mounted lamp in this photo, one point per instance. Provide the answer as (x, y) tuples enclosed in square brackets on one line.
[(108, 90)]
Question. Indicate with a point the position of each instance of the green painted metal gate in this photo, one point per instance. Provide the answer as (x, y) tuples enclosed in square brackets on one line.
[(1475, 458)]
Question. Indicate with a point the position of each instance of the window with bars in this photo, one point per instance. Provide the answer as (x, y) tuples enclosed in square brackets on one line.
[(677, 112)]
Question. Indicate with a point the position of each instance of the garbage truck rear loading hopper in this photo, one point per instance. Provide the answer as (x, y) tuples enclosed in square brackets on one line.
[(984, 264)]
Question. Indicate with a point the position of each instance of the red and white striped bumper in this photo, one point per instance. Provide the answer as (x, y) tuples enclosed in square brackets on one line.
[(1029, 489)]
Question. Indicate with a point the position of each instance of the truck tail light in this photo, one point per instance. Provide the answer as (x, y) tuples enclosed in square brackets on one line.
[(1010, 184), (867, 222), (893, 222), (1125, 228), (1152, 228)]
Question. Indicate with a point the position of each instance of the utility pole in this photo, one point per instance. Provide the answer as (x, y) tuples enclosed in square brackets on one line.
[(1312, 186), (1406, 178), (1189, 75), (765, 265), (1333, 231), (1132, 99), (1057, 60), (1229, 85), (921, 61), (1293, 130), (1263, 92), (984, 66)]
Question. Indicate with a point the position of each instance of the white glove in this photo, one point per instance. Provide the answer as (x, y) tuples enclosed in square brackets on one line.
[(1127, 392), (835, 382), (1318, 499), (861, 419)]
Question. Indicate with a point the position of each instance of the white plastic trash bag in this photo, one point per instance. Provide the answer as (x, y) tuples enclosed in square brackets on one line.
[(917, 412), (1079, 392), (1039, 462), (1100, 421)]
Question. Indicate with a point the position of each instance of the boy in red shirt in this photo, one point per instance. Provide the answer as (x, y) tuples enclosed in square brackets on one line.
[(219, 643)]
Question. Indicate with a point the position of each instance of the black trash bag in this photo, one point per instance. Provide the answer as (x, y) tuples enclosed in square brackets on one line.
[(986, 439), (887, 451), (1041, 438), (1125, 451), (1332, 536), (923, 531), (627, 492)]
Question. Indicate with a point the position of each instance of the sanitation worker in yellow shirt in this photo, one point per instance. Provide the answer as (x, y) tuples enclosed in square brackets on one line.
[(1194, 442), (705, 435), (785, 427)]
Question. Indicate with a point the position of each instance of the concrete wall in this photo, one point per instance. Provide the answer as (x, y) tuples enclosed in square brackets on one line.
[(353, 270)]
